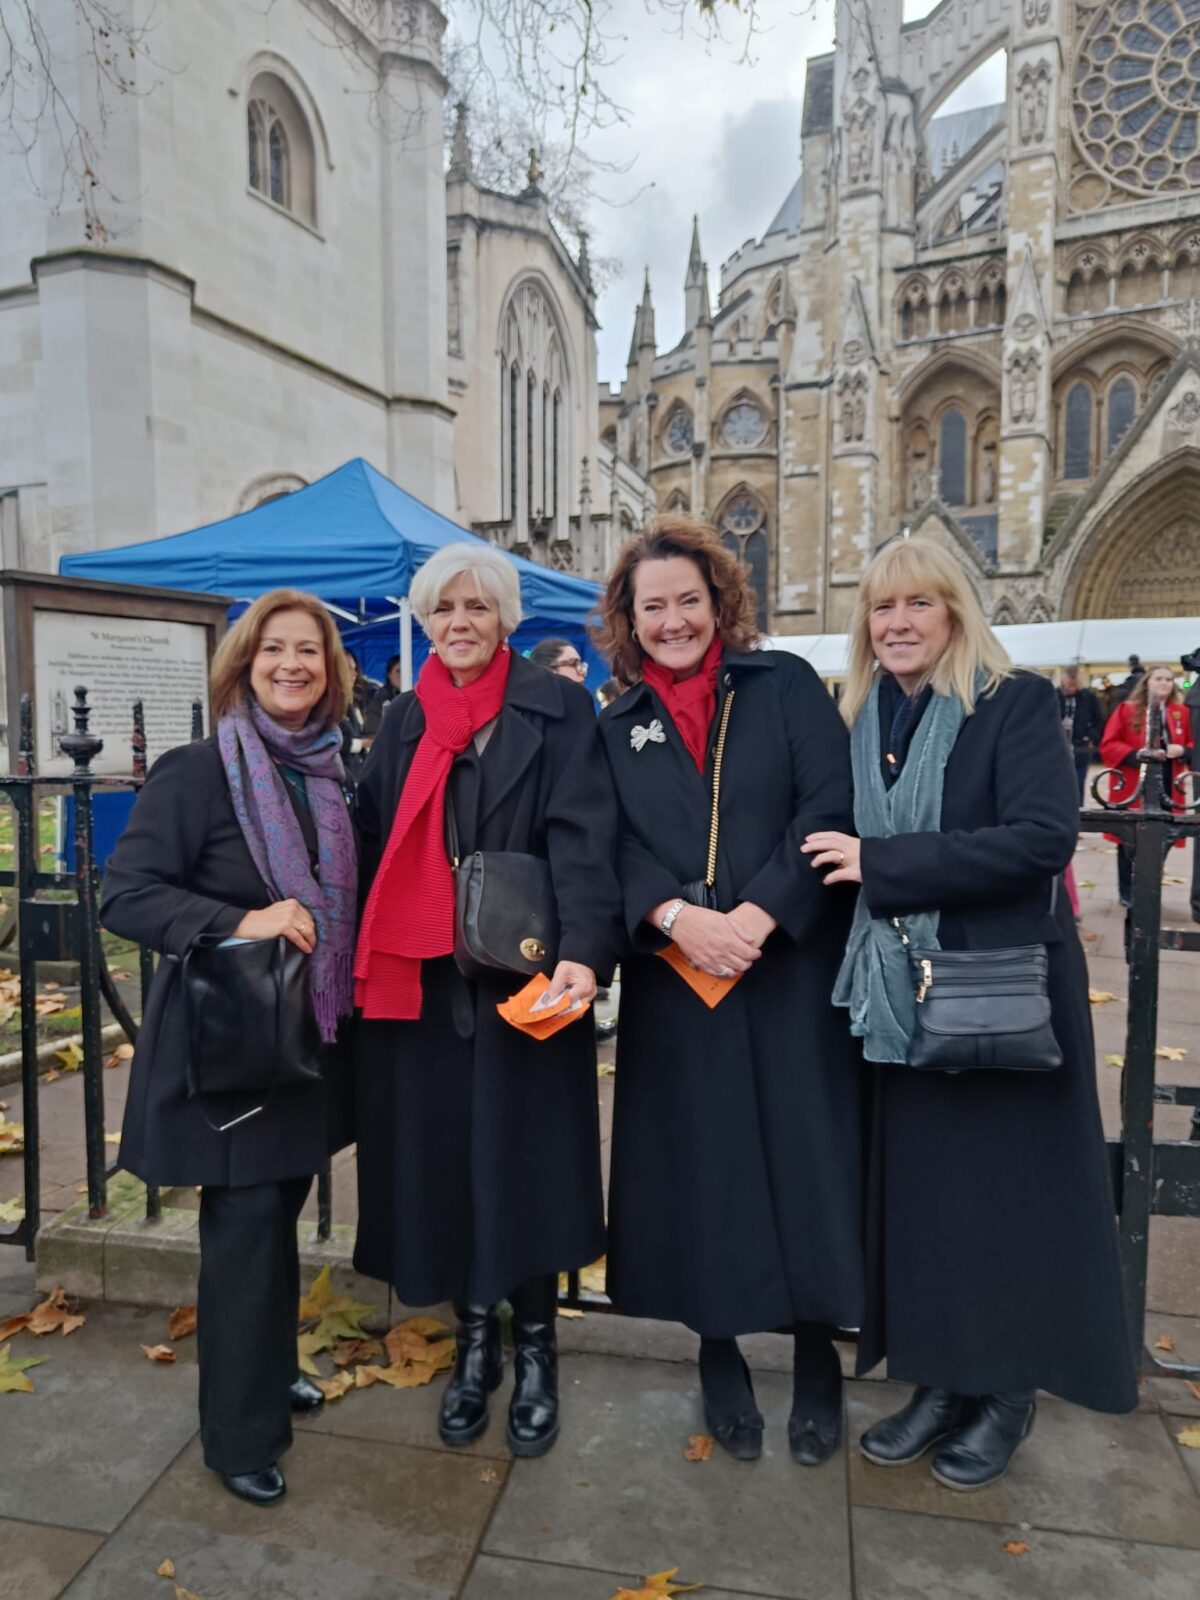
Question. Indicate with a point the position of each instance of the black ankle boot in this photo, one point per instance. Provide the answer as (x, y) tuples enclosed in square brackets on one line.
[(928, 1418), (980, 1452), (733, 1419), (533, 1414), (815, 1425), (478, 1369)]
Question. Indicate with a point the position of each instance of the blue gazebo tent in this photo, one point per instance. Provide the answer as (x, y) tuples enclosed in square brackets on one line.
[(354, 538)]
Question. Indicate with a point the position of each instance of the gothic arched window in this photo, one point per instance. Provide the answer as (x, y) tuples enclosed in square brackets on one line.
[(531, 348), (1122, 404), (281, 156), (678, 433), (1077, 434), (952, 458), (743, 528), (514, 382)]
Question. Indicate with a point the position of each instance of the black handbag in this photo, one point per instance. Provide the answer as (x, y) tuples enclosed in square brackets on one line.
[(703, 891), (505, 913), (981, 1009), (249, 1018)]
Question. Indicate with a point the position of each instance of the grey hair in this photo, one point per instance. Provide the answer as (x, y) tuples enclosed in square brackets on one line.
[(494, 573)]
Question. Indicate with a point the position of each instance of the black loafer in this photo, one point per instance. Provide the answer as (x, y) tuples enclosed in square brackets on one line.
[(261, 1488), (305, 1395), (980, 1452), (739, 1432), (928, 1418), (813, 1440)]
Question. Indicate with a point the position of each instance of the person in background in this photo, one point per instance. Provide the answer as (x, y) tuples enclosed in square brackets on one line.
[(245, 835), (354, 744), (381, 700), (735, 1202), (478, 1150), (1082, 720), (559, 655), (1192, 701), (1126, 745), (992, 1262), (608, 691), (1128, 684)]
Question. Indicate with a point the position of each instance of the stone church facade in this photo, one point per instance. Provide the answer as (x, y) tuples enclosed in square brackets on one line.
[(288, 277), (985, 325)]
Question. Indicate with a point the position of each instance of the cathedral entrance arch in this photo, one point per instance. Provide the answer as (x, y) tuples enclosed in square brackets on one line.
[(1140, 558)]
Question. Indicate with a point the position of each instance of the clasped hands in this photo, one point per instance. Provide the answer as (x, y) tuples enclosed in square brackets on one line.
[(720, 943)]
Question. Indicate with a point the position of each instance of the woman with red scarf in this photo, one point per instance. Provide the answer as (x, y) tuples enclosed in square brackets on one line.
[(735, 1196), (478, 1145), (1125, 746)]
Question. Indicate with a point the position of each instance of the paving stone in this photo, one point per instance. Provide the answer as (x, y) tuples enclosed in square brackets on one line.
[(497, 1579), (402, 1514), (17, 1290), (616, 1495), (898, 1557), (409, 1417), (39, 1562), (102, 1424), (1117, 1477), (226, 1566), (1175, 1425), (1183, 1332)]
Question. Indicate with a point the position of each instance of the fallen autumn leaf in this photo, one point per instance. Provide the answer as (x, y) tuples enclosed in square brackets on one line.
[(1164, 1342), (165, 1569), (1189, 1438), (1016, 1547), (1101, 997), (656, 1586), (700, 1447), (12, 1373), (183, 1322), (158, 1352), (1114, 1061)]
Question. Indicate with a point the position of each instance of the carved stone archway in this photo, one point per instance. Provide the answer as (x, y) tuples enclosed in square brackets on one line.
[(1141, 560)]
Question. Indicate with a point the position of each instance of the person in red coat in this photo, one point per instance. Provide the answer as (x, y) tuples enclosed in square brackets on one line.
[(1124, 748)]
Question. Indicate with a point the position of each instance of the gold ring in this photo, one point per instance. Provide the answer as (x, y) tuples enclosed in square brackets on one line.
[(841, 857)]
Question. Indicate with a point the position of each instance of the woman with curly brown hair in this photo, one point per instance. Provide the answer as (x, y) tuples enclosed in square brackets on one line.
[(735, 1195)]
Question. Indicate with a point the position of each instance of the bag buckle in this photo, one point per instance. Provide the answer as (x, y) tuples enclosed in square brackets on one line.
[(533, 949), (926, 982)]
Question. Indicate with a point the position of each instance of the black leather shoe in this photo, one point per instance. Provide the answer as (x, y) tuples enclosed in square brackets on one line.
[(815, 1425), (305, 1395), (730, 1413), (980, 1452), (260, 1488), (478, 1369), (533, 1414), (926, 1420)]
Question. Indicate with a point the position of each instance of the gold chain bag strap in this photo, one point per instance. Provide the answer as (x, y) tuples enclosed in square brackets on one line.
[(703, 891)]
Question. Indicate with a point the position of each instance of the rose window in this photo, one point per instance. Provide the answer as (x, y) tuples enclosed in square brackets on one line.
[(679, 432), (743, 424), (1137, 94)]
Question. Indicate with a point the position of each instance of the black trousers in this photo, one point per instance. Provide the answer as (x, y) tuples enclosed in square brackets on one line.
[(246, 1321)]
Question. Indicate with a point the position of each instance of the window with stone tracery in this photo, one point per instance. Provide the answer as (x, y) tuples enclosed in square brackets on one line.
[(1137, 94), (1077, 436), (743, 424), (1121, 407), (533, 435), (678, 433), (742, 524), (281, 162), (952, 458)]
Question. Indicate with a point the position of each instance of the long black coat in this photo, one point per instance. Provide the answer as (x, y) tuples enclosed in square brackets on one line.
[(478, 1148), (182, 874), (734, 1203), (992, 1253)]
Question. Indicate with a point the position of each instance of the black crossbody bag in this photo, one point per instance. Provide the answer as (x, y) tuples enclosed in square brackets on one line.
[(505, 913), (982, 1008)]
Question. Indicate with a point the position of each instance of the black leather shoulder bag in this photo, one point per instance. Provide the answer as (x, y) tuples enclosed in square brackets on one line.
[(703, 891), (505, 913), (249, 1018), (981, 1009)]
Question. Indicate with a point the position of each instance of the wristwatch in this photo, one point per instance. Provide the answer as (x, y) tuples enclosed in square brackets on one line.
[(672, 911)]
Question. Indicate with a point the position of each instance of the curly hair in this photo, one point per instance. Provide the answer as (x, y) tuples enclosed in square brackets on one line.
[(728, 581)]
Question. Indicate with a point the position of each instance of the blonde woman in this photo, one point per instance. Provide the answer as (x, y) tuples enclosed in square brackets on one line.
[(992, 1253)]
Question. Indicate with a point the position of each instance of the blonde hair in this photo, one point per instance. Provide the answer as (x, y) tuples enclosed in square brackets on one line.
[(918, 565), (494, 573), (1139, 695), (229, 680)]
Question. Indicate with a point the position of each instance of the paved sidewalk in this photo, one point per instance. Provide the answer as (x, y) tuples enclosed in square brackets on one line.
[(101, 1478)]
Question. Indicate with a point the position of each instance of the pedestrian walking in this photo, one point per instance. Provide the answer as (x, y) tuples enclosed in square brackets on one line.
[(735, 1194), (478, 1149), (992, 1263), (1130, 740), (1082, 721), (239, 849)]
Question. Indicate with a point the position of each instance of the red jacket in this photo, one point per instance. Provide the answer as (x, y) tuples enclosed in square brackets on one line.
[(1125, 735)]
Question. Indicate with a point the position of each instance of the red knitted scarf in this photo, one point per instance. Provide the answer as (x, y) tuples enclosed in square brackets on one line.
[(691, 702), (409, 915)]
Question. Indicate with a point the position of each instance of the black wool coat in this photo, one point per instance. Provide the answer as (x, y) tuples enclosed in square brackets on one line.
[(478, 1149), (735, 1196), (992, 1244), (182, 875)]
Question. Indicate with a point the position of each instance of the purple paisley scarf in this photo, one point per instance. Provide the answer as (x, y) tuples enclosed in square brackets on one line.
[(251, 743)]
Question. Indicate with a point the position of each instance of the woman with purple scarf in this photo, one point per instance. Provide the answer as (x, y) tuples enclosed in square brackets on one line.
[(245, 835)]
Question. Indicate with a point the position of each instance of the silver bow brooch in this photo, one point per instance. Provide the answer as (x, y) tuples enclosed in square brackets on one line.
[(652, 735)]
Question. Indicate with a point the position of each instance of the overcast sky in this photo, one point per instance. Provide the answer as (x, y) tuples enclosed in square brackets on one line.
[(709, 134)]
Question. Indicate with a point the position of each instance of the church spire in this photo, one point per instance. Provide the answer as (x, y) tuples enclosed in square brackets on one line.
[(695, 285), (646, 316), (460, 146)]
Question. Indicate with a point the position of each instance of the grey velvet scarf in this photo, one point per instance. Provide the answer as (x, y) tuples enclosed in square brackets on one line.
[(874, 983)]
